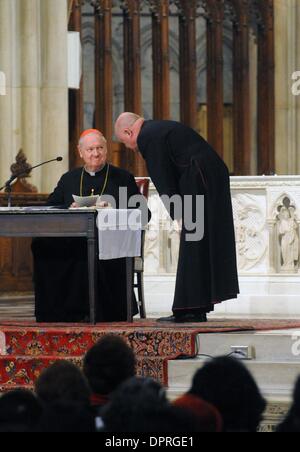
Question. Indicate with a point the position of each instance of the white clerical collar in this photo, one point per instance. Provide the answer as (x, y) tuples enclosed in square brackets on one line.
[(92, 173)]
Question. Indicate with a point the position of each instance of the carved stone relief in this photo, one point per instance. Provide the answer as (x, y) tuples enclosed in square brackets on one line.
[(250, 226), (162, 240), (286, 232), (274, 415), (152, 242)]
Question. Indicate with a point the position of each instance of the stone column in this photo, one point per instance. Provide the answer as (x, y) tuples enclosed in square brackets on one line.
[(253, 100), (34, 112), (10, 133), (287, 106), (30, 84), (54, 90), (297, 100)]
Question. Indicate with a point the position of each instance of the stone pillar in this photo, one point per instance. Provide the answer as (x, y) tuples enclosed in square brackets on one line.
[(10, 133), (297, 100), (287, 106), (34, 112), (253, 100), (54, 90), (30, 84)]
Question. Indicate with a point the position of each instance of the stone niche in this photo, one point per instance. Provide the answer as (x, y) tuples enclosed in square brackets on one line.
[(267, 218), (284, 236)]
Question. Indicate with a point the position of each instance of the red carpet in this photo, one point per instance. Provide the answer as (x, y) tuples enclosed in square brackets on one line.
[(30, 347)]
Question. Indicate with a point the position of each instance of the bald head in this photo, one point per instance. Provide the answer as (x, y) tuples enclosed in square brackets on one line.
[(127, 129), (126, 120)]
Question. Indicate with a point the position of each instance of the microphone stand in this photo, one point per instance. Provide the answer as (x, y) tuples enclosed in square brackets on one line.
[(7, 185), (8, 190)]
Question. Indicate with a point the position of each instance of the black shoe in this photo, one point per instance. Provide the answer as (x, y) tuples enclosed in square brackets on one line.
[(170, 319), (191, 318), (204, 318)]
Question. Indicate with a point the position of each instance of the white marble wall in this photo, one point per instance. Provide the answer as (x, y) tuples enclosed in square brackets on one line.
[(267, 225)]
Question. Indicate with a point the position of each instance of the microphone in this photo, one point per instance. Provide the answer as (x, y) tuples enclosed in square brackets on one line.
[(58, 159), (26, 172)]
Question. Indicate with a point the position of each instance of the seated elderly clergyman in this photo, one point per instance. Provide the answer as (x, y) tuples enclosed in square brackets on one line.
[(60, 265)]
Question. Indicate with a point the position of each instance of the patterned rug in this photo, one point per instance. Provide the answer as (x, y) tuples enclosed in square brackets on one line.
[(27, 348), (30, 349)]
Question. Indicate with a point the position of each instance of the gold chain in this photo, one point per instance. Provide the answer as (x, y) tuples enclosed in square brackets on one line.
[(104, 186)]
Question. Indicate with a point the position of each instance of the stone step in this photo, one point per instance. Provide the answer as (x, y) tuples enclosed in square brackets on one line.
[(281, 345), (146, 338), (17, 306), (273, 378), (11, 297)]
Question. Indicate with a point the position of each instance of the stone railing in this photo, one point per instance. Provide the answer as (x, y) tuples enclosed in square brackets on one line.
[(267, 226), (267, 219)]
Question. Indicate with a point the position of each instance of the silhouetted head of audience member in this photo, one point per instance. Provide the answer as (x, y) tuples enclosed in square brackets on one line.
[(167, 419), (63, 382), (20, 410), (291, 424), (141, 405), (208, 417), (66, 417), (227, 384), (106, 365), (136, 397)]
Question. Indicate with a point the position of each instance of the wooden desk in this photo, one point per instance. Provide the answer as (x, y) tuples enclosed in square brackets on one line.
[(65, 223), (16, 263)]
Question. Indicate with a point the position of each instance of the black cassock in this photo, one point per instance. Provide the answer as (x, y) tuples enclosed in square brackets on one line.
[(181, 162), (60, 265)]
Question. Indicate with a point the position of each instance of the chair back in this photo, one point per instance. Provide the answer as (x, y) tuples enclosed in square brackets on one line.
[(143, 183)]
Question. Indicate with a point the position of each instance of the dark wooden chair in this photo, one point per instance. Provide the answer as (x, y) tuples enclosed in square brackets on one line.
[(143, 184)]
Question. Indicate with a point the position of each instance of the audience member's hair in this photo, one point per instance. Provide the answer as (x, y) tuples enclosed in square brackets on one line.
[(63, 382), (169, 418), (227, 384), (208, 417), (108, 364), (66, 417), (291, 424), (141, 405), (19, 411)]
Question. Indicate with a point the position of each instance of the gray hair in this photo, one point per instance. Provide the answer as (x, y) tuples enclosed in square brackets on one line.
[(81, 141)]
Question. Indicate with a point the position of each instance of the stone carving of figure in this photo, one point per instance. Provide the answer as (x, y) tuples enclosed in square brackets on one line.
[(289, 239), (151, 251), (173, 245)]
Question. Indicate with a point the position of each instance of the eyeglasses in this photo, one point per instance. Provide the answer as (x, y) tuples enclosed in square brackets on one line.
[(98, 149)]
